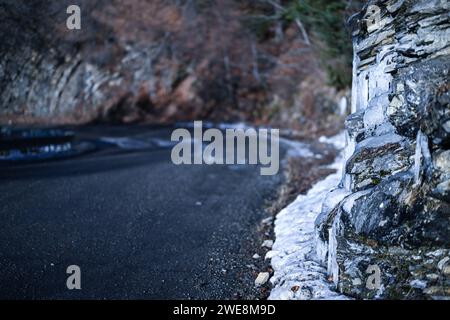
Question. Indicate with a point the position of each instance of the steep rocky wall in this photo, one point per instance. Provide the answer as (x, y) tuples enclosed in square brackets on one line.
[(392, 210), (46, 72), (119, 67), (159, 61)]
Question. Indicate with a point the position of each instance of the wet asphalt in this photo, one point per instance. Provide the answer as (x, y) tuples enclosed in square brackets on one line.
[(138, 226)]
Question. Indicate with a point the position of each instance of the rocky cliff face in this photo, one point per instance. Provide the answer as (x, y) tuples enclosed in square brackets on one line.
[(159, 61), (391, 212)]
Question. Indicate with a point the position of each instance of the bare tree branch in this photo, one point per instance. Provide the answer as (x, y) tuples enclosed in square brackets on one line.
[(278, 7), (303, 31)]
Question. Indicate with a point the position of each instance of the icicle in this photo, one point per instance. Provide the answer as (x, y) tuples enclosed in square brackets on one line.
[(417, 158), (426, 152), (333, 267), (350, 144), (422, 154), (321, 249)]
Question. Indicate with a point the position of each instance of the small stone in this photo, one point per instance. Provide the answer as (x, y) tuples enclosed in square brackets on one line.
[(446, 270), (436, 253), (267, 244), (267, 221), (432, 290), (356, 282), (270, 254), (441, 264), (442, 161), (418, 284), (262, 278), (432, 276), (256, 256), (295, 288)]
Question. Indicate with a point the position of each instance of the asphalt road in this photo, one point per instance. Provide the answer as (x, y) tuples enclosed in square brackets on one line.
[(137, 225)]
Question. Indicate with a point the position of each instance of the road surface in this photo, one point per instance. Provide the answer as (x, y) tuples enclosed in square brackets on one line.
[(138, 226)]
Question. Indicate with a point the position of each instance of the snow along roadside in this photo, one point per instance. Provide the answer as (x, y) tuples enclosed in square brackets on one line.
[(297, 272)]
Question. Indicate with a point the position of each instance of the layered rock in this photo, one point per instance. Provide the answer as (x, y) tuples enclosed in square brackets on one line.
[(393, 205), (159, 61)]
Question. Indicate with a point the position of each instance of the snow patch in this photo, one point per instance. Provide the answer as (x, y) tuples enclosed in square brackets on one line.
[(126, 142), (338, 141), (298, 273), (297, 149)]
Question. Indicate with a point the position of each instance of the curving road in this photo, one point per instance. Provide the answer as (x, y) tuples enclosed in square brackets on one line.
[(137, 225)]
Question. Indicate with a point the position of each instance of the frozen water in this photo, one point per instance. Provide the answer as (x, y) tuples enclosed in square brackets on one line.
[(417, 158), (298, 273), (332, 266), (296, 148), (421, 155), (374, 114), (350, 145), (338, 141)]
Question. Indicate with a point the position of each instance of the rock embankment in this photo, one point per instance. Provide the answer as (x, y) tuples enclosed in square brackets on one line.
[(393, 213)]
